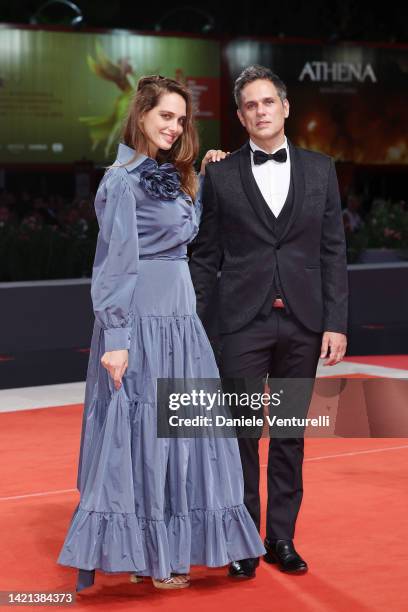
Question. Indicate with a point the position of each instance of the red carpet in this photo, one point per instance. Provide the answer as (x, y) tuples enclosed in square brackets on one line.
[(352, 529)]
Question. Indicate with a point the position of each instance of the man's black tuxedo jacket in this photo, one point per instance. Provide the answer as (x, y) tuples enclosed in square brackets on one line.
[(236, 235)]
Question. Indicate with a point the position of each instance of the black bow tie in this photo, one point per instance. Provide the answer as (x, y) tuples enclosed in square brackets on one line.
[(260, 157)]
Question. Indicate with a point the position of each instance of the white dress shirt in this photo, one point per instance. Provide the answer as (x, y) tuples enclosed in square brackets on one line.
[(273, 178)]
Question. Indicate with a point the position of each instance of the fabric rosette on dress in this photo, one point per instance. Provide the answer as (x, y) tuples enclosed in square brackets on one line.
[(160, 181)]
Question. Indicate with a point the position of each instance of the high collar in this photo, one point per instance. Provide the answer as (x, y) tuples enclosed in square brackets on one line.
[(126, 153)]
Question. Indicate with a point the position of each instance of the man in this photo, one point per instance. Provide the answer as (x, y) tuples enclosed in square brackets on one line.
[(351, 217), (272, 221)]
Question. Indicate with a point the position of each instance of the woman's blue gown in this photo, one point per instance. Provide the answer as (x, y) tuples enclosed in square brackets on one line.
[(150, 505)]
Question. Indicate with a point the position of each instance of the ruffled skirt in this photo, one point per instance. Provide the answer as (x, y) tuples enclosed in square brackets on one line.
[(155, 505)]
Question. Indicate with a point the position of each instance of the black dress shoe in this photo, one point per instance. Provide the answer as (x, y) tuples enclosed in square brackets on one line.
[(243, 569), (284, 554)]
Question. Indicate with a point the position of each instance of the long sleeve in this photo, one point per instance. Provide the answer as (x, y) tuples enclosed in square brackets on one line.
[(198, 202), (116, 262), (197, 206), (334, 260), (207, 253)]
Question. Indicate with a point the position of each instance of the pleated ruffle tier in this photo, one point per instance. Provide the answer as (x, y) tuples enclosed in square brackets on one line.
[(154, 505)]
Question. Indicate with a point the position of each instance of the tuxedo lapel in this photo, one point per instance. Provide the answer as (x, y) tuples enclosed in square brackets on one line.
[(298, 175), (251, 188), (254, 194)]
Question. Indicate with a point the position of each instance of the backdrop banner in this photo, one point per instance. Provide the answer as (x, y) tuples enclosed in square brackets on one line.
[(63, 95), (347, 101)]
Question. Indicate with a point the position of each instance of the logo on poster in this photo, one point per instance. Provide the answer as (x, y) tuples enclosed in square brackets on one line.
[(343, 72)]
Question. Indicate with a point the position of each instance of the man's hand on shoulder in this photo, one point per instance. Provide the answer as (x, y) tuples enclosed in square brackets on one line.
[(334, 347)]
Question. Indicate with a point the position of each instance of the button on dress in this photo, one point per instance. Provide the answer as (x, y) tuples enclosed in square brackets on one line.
[(150, 505)]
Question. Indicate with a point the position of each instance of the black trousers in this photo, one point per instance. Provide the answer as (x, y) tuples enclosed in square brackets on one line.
[(281, 346)]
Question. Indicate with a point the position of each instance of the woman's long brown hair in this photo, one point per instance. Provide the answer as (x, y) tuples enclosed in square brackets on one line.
[(184, 151)]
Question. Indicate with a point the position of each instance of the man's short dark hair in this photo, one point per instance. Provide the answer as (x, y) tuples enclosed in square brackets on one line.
[(253, 73)]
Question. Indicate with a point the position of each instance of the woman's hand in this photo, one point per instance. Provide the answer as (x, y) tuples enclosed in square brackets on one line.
[(212, 155), (116, 363)]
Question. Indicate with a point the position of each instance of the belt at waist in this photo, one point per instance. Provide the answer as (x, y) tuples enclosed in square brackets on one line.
[(278, 303), (158, 257)]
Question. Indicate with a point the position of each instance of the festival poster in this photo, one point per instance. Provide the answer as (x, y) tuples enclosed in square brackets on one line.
[(346, 100), (63, 95)]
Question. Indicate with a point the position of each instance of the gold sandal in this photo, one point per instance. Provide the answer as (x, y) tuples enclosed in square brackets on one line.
[(169, 583), (135, 578)]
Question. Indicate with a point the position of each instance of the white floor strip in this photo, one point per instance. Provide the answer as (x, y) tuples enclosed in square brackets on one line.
[(351, 454), (37, 494), (348, 367), (304, 600), (28, 398), (363, 452)]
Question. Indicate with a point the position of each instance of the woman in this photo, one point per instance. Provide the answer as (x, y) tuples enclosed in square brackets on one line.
[(151, 506)]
